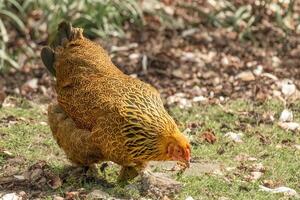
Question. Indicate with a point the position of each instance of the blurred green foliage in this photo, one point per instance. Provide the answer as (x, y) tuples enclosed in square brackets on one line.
[(243, 18), (98, 17), (11, 14), (102, 18)]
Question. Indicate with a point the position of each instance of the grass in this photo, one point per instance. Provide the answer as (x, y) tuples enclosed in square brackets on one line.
[(281, 164), (24, 134)]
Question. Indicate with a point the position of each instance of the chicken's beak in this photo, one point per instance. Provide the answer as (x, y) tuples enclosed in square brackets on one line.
[(187, 157)]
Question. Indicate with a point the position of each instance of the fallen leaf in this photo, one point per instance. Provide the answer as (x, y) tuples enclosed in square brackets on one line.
[(270, 183), (209, 137), (72, 195)]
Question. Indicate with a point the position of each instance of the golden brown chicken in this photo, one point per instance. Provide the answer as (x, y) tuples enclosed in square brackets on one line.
[(106, 115)]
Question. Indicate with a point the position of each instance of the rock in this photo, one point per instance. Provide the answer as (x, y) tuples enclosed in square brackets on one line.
[(189, 32), (288, 88), (158, 185), (286, 116), (276, 61), (200, 99), (225, 61), (11, 196), (166, 198), (246, 76), (236, 137), (98, 194), (36, 174), (134, 56), (19, 177), (33, 83), (58, 198), (259, 70), (177, 73), (293, 126), (188, 56), (189, 198)]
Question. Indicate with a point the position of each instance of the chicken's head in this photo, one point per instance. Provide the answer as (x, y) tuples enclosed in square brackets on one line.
[(178, 149)]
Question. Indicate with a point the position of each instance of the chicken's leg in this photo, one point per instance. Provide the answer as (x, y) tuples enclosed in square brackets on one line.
[(130, 172), (127, 173)]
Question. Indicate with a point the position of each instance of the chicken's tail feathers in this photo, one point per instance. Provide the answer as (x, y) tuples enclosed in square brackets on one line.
[(47, 55), (65, 33)]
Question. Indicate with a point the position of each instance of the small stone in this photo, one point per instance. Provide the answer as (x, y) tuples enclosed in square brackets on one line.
[(19, 177), (98, 194), (134, 56), (259, 70), (236, 137), (246, 76), (158, 183), (188, 56), (166, 198), (288, 88), (58, 198), (36, 174), (189, 198), (33, 83), (225, 61), (293, 126), (177, 73), (286, 116), (199, 99), (276, 61), (10, 196)]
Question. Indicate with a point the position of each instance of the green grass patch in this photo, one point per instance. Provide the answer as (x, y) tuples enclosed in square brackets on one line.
[(23, 133)]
